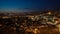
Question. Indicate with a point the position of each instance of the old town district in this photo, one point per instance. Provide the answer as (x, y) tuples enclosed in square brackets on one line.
[(45, 23)]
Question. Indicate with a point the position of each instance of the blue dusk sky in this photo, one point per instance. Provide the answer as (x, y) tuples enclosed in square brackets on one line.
[(29, 4)]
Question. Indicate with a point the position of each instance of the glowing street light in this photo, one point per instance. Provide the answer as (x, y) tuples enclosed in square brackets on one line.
[(58, 26), (35, 31), (49, 13)]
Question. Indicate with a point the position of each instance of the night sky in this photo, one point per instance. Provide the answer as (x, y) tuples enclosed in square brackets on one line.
[(29, 4)]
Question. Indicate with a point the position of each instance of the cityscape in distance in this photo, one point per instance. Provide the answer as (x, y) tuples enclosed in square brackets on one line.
[(29, 16)]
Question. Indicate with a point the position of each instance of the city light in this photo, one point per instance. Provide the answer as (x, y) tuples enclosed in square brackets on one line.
[(49, 12), (36, 24)]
